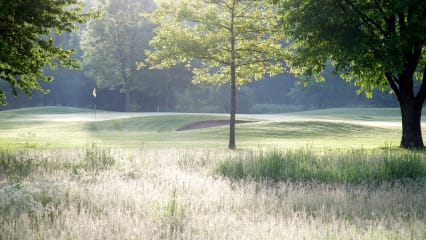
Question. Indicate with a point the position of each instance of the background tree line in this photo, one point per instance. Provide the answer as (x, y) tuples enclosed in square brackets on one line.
[(109, 48)]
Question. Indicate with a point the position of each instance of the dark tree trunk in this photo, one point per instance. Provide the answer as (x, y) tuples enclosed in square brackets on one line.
[(411, 112), (127, 101), (410, 105), (233, 110)]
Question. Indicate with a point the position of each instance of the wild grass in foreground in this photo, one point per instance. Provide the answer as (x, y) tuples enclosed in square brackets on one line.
[(97, 192), (355, 167)]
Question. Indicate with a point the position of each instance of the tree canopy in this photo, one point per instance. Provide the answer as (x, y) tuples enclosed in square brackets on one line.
[(26, 44), (222, 42), (114, 43), (376, 44)]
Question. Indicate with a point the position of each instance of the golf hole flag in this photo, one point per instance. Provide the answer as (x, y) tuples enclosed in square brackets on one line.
[(94, 92)]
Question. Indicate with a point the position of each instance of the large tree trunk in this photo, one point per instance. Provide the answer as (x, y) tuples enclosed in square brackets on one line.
[(411, 112), (410, 104), (411, 109)]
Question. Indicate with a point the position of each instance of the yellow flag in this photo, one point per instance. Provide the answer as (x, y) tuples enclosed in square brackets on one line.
[(94, 92)]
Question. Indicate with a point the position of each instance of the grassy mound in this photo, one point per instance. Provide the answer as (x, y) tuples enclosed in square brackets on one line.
[(45, 110), (163, 123), (307, 129), (354, 113)]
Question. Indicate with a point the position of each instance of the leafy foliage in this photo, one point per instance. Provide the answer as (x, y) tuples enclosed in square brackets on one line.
[(114, 43), (26, 43), (200, 34), (362, 40), (221, 42), (377, 44)]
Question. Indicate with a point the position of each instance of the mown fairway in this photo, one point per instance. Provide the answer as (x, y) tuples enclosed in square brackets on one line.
[(70, 127), (331, 174)]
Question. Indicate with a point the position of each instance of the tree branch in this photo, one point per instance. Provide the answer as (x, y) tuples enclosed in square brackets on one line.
[(393, 83), (391, 24), (258, 61), (390, 20), (401, 21), (366, 18)]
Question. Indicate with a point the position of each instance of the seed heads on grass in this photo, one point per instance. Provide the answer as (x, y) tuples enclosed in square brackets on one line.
[(194, 160), (167, 200)]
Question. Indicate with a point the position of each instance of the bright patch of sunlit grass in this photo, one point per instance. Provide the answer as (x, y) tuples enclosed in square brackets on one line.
[(173, 194)]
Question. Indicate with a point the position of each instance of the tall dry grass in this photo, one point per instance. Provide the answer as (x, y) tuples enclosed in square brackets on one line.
[(176, 194)]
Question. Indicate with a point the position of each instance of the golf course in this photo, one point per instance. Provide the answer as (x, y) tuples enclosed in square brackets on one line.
[(71, 127), (71, 173), (212, 120)]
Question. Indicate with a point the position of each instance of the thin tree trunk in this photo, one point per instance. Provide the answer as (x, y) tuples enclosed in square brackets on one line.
[(233, 84), (127, 101), (233, 110)]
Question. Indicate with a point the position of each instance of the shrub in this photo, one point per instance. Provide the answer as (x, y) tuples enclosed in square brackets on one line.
[(98, 158), (29, 198), (15, 165), (95, 158)]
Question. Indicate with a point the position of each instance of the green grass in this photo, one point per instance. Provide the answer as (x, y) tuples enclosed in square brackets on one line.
[(355, 167), (49, 110), (329, 174), (47, 127), (333, 128), (361, 114)]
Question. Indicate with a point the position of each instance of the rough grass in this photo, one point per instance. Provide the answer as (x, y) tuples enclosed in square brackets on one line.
[(144, 180), (172, 194), (355, 167)]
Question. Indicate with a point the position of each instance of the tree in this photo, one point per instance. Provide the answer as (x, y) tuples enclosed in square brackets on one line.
[(114, 43), (26, 44), (220, 41), (377, 44)]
